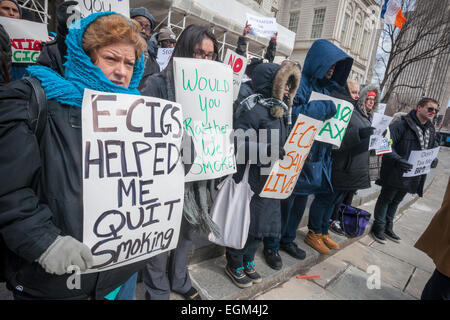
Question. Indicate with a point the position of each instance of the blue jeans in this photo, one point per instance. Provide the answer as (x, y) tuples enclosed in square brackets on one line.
[(386, 207), (321, 210), (128, 289), (292, 210)]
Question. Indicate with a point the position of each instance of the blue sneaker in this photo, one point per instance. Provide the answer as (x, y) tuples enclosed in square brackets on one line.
[(238, 276), (251, 272)]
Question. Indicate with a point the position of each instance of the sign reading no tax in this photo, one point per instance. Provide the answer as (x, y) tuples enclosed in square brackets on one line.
[(204, 89), (285, 173), (133, 179), (334, 129)]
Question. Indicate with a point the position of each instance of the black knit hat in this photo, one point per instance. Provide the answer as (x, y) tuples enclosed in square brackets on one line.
[(141, 11), (17, 5)]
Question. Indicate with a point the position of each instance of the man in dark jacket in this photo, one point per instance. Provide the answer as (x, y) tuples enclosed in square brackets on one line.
[(412, 132), (148, 24)]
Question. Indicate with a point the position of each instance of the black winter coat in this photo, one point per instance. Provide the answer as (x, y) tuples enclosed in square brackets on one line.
[(5, 57), (351, 160), (265, 213), (41, 197), (51, 57), (405, 137)]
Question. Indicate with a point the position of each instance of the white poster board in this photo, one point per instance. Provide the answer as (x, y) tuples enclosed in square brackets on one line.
[(163, 57), (262, 26), (238, 64), (87, 7), (334, 129), (377, 142), (133, 178), (205, 90), (26, 38), (285, 173), (421, 161), (381, 108)]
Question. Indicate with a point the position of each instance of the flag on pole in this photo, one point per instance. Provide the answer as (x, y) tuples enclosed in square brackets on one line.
[(392, 13)]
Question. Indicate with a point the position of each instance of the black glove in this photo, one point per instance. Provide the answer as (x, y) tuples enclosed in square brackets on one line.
[(434, 163), (366, 132), (403, 165)]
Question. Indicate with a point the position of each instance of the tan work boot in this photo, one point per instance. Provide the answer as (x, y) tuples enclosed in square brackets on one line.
[(315, 241), (329, 243)]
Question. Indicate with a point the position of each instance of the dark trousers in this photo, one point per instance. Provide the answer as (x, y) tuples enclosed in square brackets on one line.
[(321, 210), (292, 210), (386, 207), (437, 287), (156, 282), (237, 258), (347, 199)]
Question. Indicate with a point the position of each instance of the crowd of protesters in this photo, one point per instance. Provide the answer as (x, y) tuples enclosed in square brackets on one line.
[(41, 214)]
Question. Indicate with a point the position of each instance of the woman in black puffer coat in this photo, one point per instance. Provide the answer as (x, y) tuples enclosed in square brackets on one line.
[(275, 88)]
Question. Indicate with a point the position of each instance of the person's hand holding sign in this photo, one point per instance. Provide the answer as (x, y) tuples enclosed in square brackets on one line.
[(246, 29)]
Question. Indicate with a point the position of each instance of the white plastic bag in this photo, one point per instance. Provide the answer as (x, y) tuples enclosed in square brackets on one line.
[(231, 212)]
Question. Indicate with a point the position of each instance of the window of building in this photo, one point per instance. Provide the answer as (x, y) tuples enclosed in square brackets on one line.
[(259, 1), (275, 11), (293, 21), (354, 44), (365, 47), (344, 28), (317, 26)]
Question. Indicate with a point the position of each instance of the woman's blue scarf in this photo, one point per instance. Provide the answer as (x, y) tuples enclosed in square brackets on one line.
[(80, 72)]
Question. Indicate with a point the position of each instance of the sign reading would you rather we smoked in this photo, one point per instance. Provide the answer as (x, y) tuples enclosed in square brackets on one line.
[(133, 179), (205, 90)]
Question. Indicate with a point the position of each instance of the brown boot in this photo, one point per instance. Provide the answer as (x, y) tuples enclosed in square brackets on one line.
[(315, 241), (329, 243)]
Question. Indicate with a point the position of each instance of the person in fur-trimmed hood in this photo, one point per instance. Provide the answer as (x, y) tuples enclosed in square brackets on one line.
[(268, 109)]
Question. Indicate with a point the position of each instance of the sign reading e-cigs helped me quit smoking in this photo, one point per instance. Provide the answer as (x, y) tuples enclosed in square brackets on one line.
[(285, 173), (133, 177), (205, 90)]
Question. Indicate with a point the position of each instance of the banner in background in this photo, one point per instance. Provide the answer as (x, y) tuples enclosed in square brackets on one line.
[(26, 38), (262, 26), (87, 7)]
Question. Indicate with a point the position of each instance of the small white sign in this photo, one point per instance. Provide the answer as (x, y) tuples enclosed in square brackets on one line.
[(421, 161), (262, 26), (26, 38), (87, 7), (238, 64), (163, 57), (380, 122), (381, 108), (334, 129)]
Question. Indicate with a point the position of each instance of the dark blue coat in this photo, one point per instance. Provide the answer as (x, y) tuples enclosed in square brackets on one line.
[(316, 173)]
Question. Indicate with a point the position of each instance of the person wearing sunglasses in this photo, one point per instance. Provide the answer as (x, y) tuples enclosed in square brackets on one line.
[(412, 132)]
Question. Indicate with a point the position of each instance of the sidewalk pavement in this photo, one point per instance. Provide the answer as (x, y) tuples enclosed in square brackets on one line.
[(403, 269), (342, 273)]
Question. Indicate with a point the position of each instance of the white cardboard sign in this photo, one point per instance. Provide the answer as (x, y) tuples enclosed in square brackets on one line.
[(377, 142), (262, 26), (87, 7), (285, 173), (204, 89), (163, 57), (133, 178), (334, 129), (421, 161), (26, 38), (238, 64)]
